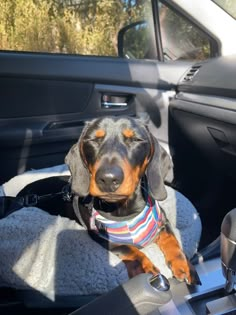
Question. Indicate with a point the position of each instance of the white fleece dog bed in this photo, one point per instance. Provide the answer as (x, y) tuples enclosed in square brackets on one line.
[(55, 255)]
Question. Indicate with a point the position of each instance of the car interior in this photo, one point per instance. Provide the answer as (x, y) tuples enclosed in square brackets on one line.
[(189, 106)]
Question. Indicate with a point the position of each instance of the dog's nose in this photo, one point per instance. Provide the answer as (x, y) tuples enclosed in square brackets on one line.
[(109, 179)]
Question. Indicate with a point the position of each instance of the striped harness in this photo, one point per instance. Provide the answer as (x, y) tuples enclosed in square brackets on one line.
[(139, 231)]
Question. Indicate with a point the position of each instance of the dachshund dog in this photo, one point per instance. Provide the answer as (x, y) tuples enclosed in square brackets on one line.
[(118, 170)]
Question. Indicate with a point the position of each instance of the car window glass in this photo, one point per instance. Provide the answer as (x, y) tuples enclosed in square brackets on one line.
[(181, 40), (86, 27), (229, 6)]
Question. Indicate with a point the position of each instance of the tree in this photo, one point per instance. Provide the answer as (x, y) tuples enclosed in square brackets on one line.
[(66, 26)]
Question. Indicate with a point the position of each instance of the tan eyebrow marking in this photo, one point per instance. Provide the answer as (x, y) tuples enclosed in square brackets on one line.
[(100, 133), (128, 133)]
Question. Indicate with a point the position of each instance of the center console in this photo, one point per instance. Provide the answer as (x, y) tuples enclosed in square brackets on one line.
[(139, 297), (145, 294), (218, 276), (209, 298)]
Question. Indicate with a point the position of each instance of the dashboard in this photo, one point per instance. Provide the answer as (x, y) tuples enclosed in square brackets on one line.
[(211, 77)]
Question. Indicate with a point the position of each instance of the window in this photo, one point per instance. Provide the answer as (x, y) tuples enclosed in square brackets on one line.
[(180, 38), (93, 27), (229, 6), (86, 27)]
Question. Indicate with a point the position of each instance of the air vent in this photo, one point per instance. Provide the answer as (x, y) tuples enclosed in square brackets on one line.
[(191, 73)]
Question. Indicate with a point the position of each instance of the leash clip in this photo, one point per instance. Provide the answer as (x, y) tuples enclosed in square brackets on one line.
[(30, 200), (66, 193)]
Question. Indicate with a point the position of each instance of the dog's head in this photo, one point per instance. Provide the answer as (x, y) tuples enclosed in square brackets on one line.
[(111, 157)]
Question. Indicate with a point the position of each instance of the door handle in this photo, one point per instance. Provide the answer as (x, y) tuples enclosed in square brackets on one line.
[(222, 140), (114, 101)]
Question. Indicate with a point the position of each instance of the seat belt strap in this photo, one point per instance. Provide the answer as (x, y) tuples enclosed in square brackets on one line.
[(9, 205)]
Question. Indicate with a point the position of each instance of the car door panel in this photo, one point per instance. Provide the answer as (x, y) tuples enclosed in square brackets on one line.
[(212, 130), (149, 73), (46, 100), (26, 97)]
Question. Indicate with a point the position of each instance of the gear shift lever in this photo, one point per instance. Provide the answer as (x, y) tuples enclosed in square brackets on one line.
[(228, 249)]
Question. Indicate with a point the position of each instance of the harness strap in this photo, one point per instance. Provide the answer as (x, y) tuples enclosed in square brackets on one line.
[(9, 205), (77, 211)]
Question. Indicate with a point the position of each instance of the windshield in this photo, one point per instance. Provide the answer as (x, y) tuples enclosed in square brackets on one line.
[(228, 5)]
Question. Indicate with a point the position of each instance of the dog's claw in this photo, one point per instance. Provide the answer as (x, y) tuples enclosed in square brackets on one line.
[(195, 277), (185, 272)]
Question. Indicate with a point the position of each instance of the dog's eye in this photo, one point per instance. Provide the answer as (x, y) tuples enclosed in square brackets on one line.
[(137, 139), (134, 140), (97, 140), (93, 140)]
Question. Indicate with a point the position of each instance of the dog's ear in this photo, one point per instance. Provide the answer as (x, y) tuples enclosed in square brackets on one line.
[(157, 170), (79, 172)]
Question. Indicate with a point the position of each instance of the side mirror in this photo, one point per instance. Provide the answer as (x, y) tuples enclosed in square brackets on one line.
[(136, 41)]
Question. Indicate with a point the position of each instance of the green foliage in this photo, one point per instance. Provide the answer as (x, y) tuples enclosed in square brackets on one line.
[(90, 27), (85, 27)]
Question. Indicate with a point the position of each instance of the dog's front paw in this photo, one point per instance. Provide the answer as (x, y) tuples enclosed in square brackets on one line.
[(175, 258), (136, 261), (135, 267), (183, 270)]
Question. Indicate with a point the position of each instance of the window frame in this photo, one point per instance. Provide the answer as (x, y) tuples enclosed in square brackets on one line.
[(214, 46), (157, 30)]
